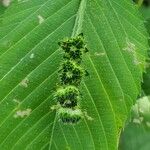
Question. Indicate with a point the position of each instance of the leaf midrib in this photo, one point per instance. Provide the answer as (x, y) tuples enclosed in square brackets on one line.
[(75, 31)]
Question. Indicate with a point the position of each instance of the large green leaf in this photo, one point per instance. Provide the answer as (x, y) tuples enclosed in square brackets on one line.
[(136, 135), (29, 58)]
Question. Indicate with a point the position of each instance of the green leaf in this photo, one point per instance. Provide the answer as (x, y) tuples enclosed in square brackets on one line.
[(2, 10), (145, 11), (29, 61), (141, 110), (136, 135)]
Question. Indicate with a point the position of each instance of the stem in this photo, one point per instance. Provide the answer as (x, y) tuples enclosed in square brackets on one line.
[(140, 2), (79, 19)]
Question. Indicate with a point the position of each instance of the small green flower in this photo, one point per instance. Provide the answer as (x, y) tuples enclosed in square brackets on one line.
[(67, 96), (71, 73), (74, 48), (69, 115)]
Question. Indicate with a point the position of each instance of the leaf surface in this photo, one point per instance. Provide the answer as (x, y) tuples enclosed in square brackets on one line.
[(30, 58)]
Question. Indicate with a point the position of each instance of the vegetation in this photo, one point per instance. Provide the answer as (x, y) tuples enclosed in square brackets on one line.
[(74, 75)]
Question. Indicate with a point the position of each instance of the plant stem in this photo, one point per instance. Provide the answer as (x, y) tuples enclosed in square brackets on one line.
[(140, 2)]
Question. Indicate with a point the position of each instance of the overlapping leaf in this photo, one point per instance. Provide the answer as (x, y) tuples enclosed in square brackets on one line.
[(137, 132)]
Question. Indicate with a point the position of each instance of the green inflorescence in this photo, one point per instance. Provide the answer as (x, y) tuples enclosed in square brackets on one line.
[(71, 72)]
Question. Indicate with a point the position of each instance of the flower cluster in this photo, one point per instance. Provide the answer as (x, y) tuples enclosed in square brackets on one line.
[(71, 72)]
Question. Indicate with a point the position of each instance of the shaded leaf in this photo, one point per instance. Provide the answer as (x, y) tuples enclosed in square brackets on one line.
[(136, 135)]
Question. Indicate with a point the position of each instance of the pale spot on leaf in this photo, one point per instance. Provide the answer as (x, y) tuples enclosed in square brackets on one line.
[(87, 116), (68, 148), (99, 54), (32, 56), (121, 99), (130, 46), (6, 3), (136, 61), (22, 113), (16, 101), (41, 19), (24, 82)]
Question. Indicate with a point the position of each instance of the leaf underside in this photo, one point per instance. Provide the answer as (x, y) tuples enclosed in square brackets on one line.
[(30, 58)]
